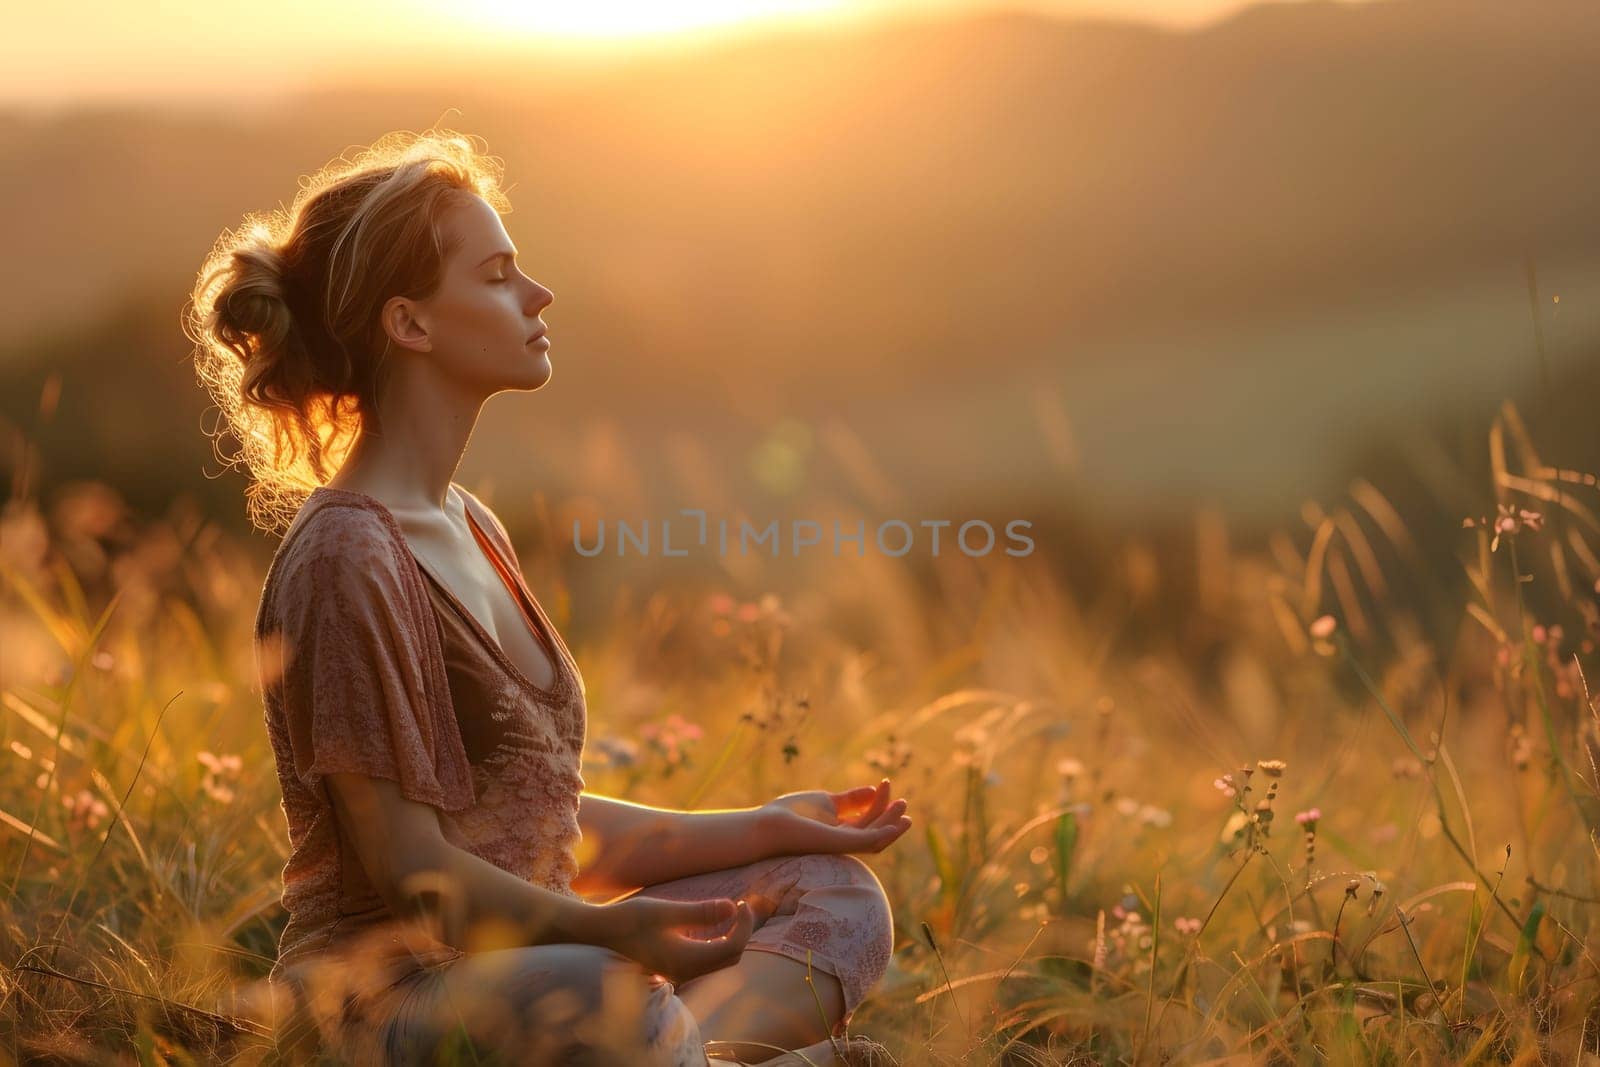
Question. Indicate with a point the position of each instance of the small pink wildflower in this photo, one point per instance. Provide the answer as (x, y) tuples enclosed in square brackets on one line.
[(85, 810), (1508, 520), (221, 772), (768, 609), (671, 738)]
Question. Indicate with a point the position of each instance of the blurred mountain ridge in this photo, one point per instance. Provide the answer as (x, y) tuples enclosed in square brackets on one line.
[(871, 224)]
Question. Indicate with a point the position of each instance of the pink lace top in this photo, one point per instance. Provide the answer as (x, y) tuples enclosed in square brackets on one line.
[(369, 664)]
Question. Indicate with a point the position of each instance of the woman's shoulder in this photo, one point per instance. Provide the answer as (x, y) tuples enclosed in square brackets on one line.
[(346, 525), (340, 537)]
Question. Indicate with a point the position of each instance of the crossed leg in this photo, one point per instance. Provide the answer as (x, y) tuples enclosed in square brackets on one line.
[(581, 1004), (831, 923)]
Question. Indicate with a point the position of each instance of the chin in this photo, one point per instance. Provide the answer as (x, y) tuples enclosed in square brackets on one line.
[(538, 374)]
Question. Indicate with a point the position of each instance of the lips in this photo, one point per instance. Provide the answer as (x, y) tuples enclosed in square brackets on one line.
[(535, 337)]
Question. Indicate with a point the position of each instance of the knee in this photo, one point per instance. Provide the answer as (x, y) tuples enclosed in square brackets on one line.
[(870, 916), (851, 871)]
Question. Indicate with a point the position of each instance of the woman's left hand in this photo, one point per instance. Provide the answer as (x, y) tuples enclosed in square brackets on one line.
[(862, 819)]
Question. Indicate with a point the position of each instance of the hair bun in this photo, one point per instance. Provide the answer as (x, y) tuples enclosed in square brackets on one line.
[(255, 303)]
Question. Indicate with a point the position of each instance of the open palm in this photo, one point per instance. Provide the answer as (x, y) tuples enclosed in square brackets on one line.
[(862, 819)]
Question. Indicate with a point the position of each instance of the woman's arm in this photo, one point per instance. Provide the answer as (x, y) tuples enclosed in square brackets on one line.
[(469, 903), (632, 845), (449, 889)]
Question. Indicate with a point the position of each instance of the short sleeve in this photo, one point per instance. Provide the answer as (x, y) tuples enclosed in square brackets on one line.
[(363, 685)]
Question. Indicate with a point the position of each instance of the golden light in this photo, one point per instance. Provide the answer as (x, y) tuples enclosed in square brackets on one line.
[(602, 19)]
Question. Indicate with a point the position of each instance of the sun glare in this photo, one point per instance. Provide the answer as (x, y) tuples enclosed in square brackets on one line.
[(603, 19)]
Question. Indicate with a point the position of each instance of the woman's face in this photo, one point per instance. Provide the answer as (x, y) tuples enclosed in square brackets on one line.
[(482, 324)]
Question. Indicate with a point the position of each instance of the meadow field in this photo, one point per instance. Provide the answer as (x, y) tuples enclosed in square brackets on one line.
[(1325, 802), (1280, 325)]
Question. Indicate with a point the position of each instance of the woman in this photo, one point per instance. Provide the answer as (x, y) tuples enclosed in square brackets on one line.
[(428, 721)]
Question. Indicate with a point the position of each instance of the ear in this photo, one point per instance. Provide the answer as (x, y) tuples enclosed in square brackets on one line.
[(402, 322)]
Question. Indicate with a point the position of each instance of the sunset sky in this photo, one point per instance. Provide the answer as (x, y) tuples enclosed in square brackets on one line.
[(62, 53)]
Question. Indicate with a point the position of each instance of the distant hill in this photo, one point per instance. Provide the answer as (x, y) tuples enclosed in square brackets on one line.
[(1288, 154), (837, 222)]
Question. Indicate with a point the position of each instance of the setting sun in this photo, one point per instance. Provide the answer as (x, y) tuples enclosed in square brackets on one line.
[(631, 18)]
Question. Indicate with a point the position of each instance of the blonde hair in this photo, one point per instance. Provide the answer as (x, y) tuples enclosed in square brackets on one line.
[(285, 314)]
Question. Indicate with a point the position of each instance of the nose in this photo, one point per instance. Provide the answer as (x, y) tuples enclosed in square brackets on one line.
[(540, 298)]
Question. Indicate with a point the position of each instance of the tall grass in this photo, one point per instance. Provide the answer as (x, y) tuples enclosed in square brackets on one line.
[(1306, 822)]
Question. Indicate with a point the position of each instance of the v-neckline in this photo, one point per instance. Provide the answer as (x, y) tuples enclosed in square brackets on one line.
[(526, 606)]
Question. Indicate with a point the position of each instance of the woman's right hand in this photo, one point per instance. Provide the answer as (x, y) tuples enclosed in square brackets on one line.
[(649, 931)]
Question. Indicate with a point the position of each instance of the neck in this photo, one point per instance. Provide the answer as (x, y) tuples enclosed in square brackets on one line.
[(410, 464)]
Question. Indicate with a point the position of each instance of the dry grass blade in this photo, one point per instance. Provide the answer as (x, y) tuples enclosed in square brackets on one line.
[(27, 829), (242, 1025), (1312, 596)]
